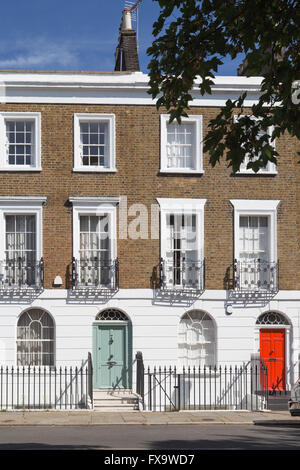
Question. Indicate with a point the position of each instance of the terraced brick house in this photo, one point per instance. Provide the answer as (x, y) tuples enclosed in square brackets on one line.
[(117, 236)]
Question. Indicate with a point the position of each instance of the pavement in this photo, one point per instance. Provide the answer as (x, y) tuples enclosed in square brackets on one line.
[(86, 417)]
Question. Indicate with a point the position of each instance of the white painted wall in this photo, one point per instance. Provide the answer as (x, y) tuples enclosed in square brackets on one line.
[(155, 325)]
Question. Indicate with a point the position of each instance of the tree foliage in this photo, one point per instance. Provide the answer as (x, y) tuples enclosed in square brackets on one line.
[(193, 37)]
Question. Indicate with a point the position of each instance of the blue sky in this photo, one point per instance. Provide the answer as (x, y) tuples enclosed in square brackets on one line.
[(72, 34)]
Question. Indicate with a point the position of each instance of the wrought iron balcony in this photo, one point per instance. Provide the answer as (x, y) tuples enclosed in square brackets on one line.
[(19, 273), (95, 274), (184, 275), (256, 276)]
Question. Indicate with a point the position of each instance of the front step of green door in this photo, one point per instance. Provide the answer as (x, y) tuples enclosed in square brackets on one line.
[(112, 355)]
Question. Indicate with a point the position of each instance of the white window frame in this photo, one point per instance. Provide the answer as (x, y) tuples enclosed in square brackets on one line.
[(270, 169), (10, 205), (196, 121), (94, 207), (186, 207), (36, 156), (105, 118), (246, 207)]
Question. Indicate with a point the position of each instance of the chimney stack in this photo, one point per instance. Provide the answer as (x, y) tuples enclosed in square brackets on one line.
[(126, 54)]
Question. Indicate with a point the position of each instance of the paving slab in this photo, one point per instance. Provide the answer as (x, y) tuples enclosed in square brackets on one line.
[(155, 417), (133, 418), (57, 418), (90, 417), (98, 418)]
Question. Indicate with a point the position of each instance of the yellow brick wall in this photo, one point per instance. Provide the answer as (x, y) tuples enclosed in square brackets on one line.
[(138, 178)]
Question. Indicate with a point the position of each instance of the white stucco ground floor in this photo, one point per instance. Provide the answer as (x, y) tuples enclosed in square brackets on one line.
[(212, 329)]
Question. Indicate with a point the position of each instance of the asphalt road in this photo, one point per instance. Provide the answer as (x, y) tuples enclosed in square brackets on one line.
[(182, 437)]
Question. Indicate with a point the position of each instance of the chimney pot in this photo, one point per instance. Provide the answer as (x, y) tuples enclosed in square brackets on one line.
[(126, 19)]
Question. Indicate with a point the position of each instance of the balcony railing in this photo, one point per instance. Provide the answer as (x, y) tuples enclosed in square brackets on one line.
[(19, 273), (185, 275), (95, 274), (256, 276)]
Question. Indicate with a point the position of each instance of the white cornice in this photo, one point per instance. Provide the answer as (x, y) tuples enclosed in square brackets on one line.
[(111, 88), (94, 200), (23, 199), (167, 204), (254, 205)]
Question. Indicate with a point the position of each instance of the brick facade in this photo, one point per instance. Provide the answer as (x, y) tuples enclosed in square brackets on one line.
[(138, 178)]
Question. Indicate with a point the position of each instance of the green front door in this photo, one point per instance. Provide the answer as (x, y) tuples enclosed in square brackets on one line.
[(112, 355)]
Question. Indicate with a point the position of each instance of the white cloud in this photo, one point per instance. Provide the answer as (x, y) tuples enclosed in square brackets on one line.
[(44, 53)]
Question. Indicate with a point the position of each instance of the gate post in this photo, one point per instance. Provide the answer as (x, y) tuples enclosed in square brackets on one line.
[(255, 376), (259, 378), (140, 375), (90, 378), (179, 380)]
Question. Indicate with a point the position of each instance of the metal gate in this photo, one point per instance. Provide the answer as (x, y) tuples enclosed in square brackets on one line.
[(207, 388)]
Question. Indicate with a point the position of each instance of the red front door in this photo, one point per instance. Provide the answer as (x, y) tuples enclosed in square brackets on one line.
[(272, 351)]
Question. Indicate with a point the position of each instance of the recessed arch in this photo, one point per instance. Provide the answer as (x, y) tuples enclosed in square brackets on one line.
[(197, 339)]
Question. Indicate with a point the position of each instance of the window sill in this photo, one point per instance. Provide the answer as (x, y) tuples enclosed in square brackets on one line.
[(182, 171), (94, 170), (252, 173), (20, 168)]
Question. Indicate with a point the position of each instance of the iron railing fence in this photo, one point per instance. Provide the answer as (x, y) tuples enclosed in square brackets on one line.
[(182, 274), (204, 388), (20, 273), (43, 388), (256, 275), (95, 274)]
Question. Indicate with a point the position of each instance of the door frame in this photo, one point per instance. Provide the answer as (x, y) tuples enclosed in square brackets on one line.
[(287, 344), (127, 325)]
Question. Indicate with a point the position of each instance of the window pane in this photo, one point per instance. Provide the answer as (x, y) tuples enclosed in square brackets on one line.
[(94, 128), (84, 127), (84, 223)]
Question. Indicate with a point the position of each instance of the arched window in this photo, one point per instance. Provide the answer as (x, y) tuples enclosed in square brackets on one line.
[(35, 339), (272, 318), (111, 314), (197, 340)]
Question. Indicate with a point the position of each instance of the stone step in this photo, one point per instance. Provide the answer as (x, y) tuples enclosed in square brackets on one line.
[(115, 400), (108, 406), (116, 409), (115, 393), (279, 401)]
